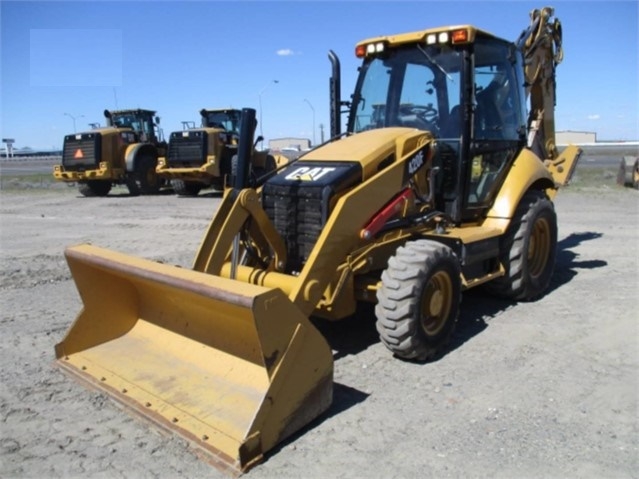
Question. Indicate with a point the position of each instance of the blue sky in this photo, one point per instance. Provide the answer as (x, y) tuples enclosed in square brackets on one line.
[(81, 57)]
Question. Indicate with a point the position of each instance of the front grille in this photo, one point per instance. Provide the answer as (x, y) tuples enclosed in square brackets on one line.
[(299, 208), (187, 149), (81, 152)]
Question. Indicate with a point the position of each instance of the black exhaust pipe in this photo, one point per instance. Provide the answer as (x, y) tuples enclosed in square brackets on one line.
[(244, 149), (335, 95)]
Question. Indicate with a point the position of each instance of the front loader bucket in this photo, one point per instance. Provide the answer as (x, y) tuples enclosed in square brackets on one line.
[(232, 367)]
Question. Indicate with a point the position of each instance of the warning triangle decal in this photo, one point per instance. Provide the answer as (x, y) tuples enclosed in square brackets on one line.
[(78, 154)]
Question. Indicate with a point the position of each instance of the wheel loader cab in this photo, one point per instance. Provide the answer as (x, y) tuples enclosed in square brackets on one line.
[(140, 121), (469, 95), (228, 120)]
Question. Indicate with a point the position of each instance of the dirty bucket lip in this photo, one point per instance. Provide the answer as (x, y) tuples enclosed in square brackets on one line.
[(203, 449)]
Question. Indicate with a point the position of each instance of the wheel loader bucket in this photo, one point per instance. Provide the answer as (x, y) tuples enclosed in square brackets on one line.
[(230, 366)]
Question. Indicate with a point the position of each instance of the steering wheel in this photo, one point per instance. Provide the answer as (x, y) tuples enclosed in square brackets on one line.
[(423, 117), (425, 113)]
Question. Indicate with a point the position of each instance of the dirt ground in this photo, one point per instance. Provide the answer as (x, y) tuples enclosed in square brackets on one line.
[(543, 389)]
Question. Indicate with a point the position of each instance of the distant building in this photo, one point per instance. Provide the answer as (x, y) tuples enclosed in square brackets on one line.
[(575, 137), (283, 144), (9, 146)]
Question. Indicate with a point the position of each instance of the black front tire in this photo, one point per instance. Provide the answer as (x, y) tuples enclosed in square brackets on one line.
[(418, 301), (94, 188), (186, 188), (528, 250)]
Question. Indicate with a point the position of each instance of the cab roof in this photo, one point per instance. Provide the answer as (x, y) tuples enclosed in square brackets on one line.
[(132, 111), (420, 36)]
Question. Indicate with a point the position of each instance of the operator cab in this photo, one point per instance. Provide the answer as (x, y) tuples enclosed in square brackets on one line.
[(142, 122), (466, 88)]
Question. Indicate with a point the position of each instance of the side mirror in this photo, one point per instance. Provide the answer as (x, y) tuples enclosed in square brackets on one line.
[(157, 120)]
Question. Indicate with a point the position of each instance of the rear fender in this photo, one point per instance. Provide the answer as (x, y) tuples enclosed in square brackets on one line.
[(527, 172), (135, 151)]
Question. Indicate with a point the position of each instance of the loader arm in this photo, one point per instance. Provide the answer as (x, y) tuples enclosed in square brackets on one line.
[(230, 218), (341, 234), (339, 237)]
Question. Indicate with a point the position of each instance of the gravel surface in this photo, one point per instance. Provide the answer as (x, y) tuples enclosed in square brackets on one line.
[(543, 389)]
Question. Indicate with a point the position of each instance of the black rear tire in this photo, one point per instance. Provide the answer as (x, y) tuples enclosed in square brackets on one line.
[(528, 250), (257, 175), (94, 188), (418, 301)]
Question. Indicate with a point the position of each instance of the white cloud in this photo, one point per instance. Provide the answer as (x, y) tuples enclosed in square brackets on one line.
[(285, 52), (593, 117)]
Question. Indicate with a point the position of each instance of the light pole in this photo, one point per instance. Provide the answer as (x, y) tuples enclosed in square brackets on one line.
[(259, 95), (313, 109), (74, 118)]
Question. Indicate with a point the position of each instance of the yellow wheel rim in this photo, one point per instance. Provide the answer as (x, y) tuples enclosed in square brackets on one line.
[(539, 247), (436, 303)]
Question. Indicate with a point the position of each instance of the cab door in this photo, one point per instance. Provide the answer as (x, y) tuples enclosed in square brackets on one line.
[(498, 130)]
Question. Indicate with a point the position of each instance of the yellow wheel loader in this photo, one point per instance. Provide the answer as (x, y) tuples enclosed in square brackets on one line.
[(441, 183), (204, 157), (125, 152)]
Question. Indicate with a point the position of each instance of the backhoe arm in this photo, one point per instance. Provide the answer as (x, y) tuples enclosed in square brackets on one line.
[(542, 49)]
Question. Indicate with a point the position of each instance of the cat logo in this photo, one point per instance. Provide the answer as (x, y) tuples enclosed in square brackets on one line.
[(78, 154), (306, 173)]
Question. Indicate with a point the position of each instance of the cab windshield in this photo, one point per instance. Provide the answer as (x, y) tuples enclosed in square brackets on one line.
[(141, 124), (228, 121), (417, 86)]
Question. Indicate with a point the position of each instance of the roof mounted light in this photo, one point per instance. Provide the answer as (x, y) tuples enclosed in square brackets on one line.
[(370, 49), (443, 37), (460, 36)]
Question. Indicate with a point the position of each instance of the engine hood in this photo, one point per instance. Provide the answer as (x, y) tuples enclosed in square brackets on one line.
[(370, 148)]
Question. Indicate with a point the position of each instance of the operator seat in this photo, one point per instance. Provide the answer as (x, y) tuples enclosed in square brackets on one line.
[(488, 124)]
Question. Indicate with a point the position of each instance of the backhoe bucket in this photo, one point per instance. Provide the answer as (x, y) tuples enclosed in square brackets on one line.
[(232, 367)]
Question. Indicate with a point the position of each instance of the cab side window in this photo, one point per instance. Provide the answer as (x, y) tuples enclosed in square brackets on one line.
[(498, 113)]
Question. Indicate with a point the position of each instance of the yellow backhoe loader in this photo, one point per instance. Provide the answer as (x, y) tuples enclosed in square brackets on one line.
[(441, 183)]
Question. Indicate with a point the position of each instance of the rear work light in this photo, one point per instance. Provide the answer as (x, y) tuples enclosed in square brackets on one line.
[(460, 36)]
